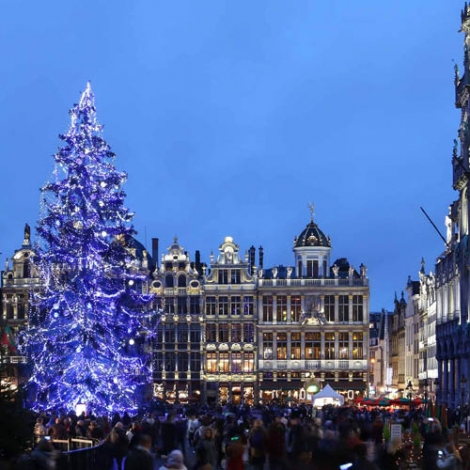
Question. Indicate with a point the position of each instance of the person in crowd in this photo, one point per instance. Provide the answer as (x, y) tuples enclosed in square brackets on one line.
[(105, 425), (126, 419), (57, 431), (234, 451), (80, 429), (257, 440), (360, 461), (39, 430), (327, 456), (168, 434), (140, 457), (69, 426), (133, 433), (377, 433), (94, 431), (192, 426), (115, 419), (276, 444), (174, 461), (119, 444), (44, 456), (390, 456), (219, 440), (206, 452), (294, 441)]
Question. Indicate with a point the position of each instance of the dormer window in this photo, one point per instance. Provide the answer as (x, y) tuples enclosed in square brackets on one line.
[(235, 276), (223, 276)]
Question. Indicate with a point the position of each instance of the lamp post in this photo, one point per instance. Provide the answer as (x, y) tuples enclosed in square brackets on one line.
[(436, 388), (463, 384)]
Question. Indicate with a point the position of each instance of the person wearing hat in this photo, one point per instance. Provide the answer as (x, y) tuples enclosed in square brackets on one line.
[(174, 461)]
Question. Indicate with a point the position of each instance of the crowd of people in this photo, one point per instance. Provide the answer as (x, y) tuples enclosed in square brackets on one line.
[(254, 438)]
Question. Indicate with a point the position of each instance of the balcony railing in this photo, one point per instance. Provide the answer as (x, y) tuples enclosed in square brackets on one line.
[(313, 282), (309, 365), (229, 287)]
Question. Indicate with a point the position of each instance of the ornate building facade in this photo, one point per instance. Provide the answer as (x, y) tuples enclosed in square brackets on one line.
[(233, 331), (313, 322), (452, 267), (19, 278), (178, 301), (229, 345)]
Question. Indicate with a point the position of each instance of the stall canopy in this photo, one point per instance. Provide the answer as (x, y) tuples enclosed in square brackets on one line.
[(327, 396)]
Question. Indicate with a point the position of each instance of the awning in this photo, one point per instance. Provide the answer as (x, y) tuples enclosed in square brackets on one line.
[(346, 385)]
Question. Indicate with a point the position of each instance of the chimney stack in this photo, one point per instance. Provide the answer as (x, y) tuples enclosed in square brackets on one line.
[(252, 259), (155, 250)]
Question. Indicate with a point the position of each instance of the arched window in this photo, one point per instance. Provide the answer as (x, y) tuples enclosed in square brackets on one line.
[(26, 266), (182, 281), (169, 280)]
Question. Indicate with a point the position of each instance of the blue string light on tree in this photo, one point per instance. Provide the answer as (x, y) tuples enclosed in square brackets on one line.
[(78, 339)]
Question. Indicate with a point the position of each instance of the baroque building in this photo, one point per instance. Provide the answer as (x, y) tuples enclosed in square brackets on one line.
[(397, 344), (18, 279), (178, 302), (380, 354), (229, 346), (452, 267), (313, 322), (233, 331), (427, 371), (413, 342)]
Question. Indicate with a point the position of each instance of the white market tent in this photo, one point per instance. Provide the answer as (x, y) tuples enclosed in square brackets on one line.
[(327, 396)]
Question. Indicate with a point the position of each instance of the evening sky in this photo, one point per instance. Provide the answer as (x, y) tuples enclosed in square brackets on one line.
[(230, 117)]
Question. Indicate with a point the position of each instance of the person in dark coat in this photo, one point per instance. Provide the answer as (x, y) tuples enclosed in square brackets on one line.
[(258, 443), (206, 452), (139, 457), (361, 462), (94, 431), (276, 444), (433, 441), (57, 431), (168, 435), (44, 455), (120, 444)]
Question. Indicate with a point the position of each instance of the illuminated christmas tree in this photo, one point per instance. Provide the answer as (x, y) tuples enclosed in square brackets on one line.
[(85, 326)]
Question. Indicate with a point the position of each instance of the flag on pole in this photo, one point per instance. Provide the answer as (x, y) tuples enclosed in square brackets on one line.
[(8, 339)]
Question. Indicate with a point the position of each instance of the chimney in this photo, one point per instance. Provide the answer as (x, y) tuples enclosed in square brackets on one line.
[(197, 260), (261, 256), (252, 258), (155, 250)]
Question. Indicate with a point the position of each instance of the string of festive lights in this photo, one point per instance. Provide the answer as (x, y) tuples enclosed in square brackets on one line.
[(87, 323)]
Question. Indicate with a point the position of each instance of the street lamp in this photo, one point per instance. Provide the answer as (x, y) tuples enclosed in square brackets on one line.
[(463, 383), (436, 388)]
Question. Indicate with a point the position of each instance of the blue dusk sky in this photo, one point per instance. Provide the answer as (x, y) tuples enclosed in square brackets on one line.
[(230, 117)]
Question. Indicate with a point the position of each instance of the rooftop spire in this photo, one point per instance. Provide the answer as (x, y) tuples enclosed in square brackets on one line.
[(312, 212)]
